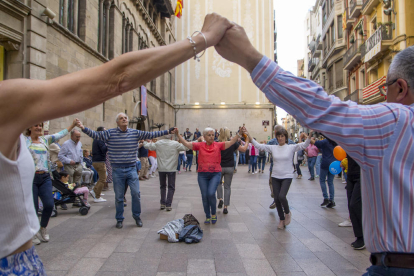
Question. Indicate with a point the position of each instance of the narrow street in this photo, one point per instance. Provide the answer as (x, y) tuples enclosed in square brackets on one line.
[(243, 242)]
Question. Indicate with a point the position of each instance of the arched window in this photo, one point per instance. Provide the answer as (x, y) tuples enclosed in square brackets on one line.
[(103, 26)]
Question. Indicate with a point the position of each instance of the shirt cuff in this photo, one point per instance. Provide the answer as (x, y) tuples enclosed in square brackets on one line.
[(264, 72), (85, 130)]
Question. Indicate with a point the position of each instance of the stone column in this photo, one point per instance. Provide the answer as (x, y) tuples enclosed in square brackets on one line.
[(101, 26), (65, 14), (107, 7), (75, 17), (128, 27)]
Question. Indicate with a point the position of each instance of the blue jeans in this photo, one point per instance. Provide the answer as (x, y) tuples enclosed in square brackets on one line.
[(123, 176), (180, 158), (375, 270), (253, 162), (311, 166), (325, 174), (208, 182), (189, 161), (138, 164), (95, 174), (242, 157), (235, 159), (318, 164), (261, 160), (42, 187)]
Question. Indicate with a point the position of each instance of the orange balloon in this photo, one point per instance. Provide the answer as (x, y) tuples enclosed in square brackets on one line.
[(339, 153)]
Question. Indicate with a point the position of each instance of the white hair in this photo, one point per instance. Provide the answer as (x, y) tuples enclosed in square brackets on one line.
[(207, 130), (402, 66), (122, 113)]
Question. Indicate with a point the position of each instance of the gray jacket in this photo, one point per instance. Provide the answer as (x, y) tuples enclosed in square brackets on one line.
[(167, 154)]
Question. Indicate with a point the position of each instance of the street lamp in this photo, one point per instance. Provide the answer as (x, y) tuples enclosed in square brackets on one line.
[(133, 123), (158, 125)]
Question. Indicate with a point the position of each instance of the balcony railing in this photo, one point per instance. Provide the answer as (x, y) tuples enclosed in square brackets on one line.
[(355, 96), (352, 51), (369, 5), (355, 7), (363, 49), (381, 34), (312, 64)]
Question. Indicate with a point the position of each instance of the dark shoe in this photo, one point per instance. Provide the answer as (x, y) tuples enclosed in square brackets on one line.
[(207, 221), (220, 205), (119, 224), (125, 204), (63, 206), (214, 219), (169, 208), (140, 178), (225, 210), (331, 204), (359, 244), (162, 207), (325, 202), (273, 205), (138, 221), (311, 179)]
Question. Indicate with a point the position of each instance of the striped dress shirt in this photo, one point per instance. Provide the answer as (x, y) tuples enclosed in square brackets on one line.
[(379, 137), (123, 145)]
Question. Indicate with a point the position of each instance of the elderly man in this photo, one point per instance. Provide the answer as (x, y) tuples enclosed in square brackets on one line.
[(274, 142), (122, 151), (379, 137), (167, 159), (71, 156)]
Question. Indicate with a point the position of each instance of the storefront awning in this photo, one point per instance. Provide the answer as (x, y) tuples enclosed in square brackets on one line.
[(372, 89)]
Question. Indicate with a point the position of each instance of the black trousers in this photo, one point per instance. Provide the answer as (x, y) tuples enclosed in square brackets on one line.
[(166, 199), (280, 190), (353, 191)]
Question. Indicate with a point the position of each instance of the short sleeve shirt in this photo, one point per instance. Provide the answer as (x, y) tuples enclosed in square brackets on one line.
[(209, 156)]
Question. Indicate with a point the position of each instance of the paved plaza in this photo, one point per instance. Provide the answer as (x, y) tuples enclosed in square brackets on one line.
[(243, 242)]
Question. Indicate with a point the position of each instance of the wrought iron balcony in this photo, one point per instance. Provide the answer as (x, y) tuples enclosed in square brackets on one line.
[(353, 55), (355, 96), (312, 63), (355, 8), (375, 43), (369, 5)]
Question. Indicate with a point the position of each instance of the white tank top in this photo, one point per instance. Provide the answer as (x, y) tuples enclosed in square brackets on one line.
[(18, 219)]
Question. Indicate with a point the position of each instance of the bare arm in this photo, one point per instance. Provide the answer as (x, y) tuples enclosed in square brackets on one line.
[(233, 140), (245, 146), (188, 145), (44, 100)]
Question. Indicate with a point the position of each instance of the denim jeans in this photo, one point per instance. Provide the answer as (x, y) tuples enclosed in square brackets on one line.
[(189, 161), (297, 166), (318, 164), (95, 175), (180, 158), (376, 270), (325, 174), (253, 162), (138, 164), (208, 182), (311, 166), (42, 187), (123, 176), (261, 160), (242, 157)]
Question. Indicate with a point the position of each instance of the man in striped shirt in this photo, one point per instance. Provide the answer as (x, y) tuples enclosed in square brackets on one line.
[(379, 137), (122, 151)]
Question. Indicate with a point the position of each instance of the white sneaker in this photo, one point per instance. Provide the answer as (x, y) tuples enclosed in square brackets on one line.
[(343, 182), (43, 235), (92, 192), (35, 240), (102, 194), (288, 218), (97, 200), (345, 223), (151, 175)]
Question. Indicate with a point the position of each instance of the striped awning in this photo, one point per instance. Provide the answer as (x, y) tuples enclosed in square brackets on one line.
[(372, 89)]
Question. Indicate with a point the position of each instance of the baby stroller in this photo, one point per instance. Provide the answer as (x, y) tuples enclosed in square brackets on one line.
[(63, 195)]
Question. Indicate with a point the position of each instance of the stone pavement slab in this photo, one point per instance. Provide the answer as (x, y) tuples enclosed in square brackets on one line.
[(246, 241)]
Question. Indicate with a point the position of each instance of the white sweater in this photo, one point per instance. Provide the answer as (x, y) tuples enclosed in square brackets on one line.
[(282, 157)]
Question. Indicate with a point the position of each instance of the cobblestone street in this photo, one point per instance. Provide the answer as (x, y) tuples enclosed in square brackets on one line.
[(243, 242)]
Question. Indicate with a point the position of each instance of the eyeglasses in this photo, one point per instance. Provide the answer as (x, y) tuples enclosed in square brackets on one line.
[(384, 87)]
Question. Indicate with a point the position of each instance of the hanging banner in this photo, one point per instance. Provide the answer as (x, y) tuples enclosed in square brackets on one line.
[(1, 63), (344, 21), (179, 8), (144, 106)]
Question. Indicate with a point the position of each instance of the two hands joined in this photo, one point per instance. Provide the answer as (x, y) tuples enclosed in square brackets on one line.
[(230, 41)]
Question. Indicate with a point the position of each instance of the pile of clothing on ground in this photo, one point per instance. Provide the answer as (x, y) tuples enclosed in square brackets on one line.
[(187, 228)]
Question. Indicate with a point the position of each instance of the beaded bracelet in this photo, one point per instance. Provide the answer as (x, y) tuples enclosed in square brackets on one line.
[(194, 45)]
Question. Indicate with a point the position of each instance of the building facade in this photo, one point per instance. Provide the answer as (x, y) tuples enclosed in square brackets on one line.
[(215, 92), (36, 44)]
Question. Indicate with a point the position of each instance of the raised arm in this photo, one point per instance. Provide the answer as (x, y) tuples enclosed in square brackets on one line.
[(243, 148), (57, 136), (264, 147), (98, 135), (303, 145), (188, 145), (233, 140), (312, 106), (44, 100)]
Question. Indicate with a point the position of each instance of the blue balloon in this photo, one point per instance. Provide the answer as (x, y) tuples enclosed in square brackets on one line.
[(335, 167)]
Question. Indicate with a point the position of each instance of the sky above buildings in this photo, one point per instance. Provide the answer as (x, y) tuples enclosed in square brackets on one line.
[(290, 18)]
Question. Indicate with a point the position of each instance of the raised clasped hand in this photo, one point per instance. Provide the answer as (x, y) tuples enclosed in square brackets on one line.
[(214, 28)]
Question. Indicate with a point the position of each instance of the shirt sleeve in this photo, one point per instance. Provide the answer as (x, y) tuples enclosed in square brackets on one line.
[(144, 135), (221, 145), (302, 146), (181, 147), (369, 126), (56, 137), (196, 145), (150, 146), (62, 155), (267, 148), (98, 135)]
